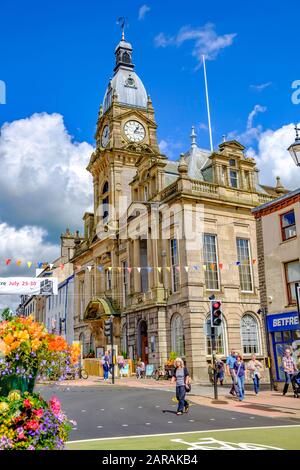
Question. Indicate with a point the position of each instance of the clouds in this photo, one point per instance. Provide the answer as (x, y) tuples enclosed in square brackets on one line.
[(27, 243), (170, 148), (205, 40), (261, 87), (252, 133), (143, 11), (273, 159), (43, 180)]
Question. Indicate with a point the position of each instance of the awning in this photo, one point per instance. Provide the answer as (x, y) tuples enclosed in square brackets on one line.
[(98, 308)]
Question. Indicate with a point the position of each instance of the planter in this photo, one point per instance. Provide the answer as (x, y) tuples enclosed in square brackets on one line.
[(15, 382)]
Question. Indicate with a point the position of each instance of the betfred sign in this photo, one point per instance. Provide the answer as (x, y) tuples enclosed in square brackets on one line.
[(283, 321)]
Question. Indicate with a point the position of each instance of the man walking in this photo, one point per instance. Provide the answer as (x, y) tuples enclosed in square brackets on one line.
[(230, 362), (289, 368)]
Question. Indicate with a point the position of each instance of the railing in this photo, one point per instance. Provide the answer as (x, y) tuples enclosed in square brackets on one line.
[(264, 198), (172, 188), (204, 187)]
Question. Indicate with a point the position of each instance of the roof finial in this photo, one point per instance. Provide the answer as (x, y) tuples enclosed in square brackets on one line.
[(224, 138), (193, 137)]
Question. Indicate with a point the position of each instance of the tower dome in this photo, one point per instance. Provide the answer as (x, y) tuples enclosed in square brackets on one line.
[(125, 83)]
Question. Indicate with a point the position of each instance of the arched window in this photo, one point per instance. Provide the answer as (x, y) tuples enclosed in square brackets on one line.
[(220, 332), (250, 335), (177, 335), (126, 58), (105, 200)]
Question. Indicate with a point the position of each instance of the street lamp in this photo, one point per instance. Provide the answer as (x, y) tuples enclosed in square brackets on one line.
[(294, 149)]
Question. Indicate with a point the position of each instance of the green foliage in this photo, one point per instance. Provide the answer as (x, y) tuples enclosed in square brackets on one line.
[(6, 314)]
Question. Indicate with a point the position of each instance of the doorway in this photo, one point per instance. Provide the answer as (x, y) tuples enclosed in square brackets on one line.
[(143, 341)]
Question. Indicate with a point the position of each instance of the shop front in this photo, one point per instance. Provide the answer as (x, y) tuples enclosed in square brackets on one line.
[(284, 329)]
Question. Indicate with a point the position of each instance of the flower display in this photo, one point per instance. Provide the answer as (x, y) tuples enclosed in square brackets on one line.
[(26, 348), (28, 422)]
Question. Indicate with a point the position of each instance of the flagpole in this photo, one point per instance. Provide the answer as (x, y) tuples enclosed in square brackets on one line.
[(207, 104)]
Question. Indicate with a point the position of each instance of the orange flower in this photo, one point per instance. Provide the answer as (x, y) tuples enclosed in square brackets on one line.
[(8, 339)]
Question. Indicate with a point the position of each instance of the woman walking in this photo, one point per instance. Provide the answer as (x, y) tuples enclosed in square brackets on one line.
[(253, 366), (105, 366), (182, 379), (239, 368)]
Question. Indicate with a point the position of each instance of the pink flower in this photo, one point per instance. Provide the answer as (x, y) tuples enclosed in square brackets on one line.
[(30, 448), (32, 425), (55, 405), (27, 403), (39, 413)]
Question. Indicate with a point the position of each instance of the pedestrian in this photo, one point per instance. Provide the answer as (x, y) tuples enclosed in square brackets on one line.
[(182, 379), (289, 368), (220, 370), (240, 368), (140, 369), (121, 364), (230, 361), (254, 367), (105, 365)]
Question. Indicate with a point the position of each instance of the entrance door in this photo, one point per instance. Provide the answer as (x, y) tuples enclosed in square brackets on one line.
[(145, 349), (143, 341)]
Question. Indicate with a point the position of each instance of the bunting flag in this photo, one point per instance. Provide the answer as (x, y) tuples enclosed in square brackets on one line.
[(119, 270), (196, 267), (129, 270), (139, 269), (238, 263), (18, 262), (168, 269), (186, 268), (29, 264), (149, 269), (212, 266), (7, 261), (204, 267), (221, 265), (61, 266), (253, 261), (40, 264), (159, 269), (109, 268), (177, 268), (89, 268), (100, 268), (51, 266)]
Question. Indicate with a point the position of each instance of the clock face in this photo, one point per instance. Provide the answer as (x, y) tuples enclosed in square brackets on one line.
[(134, 131), (105, 136)]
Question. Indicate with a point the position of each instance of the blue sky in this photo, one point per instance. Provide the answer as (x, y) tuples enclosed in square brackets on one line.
[(57, 58)]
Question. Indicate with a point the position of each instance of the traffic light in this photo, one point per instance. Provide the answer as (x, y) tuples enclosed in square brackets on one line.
[(216, 312), (108, 328)]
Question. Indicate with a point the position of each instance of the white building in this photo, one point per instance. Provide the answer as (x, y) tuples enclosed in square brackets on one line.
[(59, 310)]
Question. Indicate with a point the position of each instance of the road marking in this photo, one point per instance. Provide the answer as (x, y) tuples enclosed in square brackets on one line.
[(83, 411), (212, 419), (99, 427), (157, 406), (74, 429), (191, 420), (170, 422), (124, 425), (233, 418), (252, 417), (140, 407), (102, 409), (187, 432), (147, 424), (121, 408)]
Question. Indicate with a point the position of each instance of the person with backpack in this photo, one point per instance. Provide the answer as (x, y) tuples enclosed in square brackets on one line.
[(239, 368), (182, 379)]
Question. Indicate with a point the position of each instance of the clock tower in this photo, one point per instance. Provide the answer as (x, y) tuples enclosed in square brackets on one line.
[(126, 131)]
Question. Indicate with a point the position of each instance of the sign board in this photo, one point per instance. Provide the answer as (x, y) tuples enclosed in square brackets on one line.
[(149, 370), (283, 321), (29, 285)]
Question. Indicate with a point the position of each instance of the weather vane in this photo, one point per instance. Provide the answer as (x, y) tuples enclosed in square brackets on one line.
[(122, 21)]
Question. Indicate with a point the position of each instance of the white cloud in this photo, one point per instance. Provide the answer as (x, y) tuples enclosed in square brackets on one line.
[(205, 40), (43, 180), (170, 148), (261, 86), (252, 133), (143, 10), (273, 159), (28, 243)]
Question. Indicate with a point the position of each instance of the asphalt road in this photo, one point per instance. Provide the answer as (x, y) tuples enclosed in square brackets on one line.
[(110, 411)]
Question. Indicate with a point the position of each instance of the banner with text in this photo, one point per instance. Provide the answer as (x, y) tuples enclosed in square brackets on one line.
[(29, 285)]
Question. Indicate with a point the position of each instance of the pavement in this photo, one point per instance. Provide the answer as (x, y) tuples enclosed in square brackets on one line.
[(266, 404)]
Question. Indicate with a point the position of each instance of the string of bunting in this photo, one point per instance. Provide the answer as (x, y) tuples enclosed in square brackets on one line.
[(101, 268)]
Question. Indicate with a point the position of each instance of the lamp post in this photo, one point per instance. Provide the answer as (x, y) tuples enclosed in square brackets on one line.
[(294, 149)]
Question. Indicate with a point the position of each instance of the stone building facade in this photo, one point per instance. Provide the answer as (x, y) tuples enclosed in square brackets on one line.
[(278, 243), (164, 236)]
